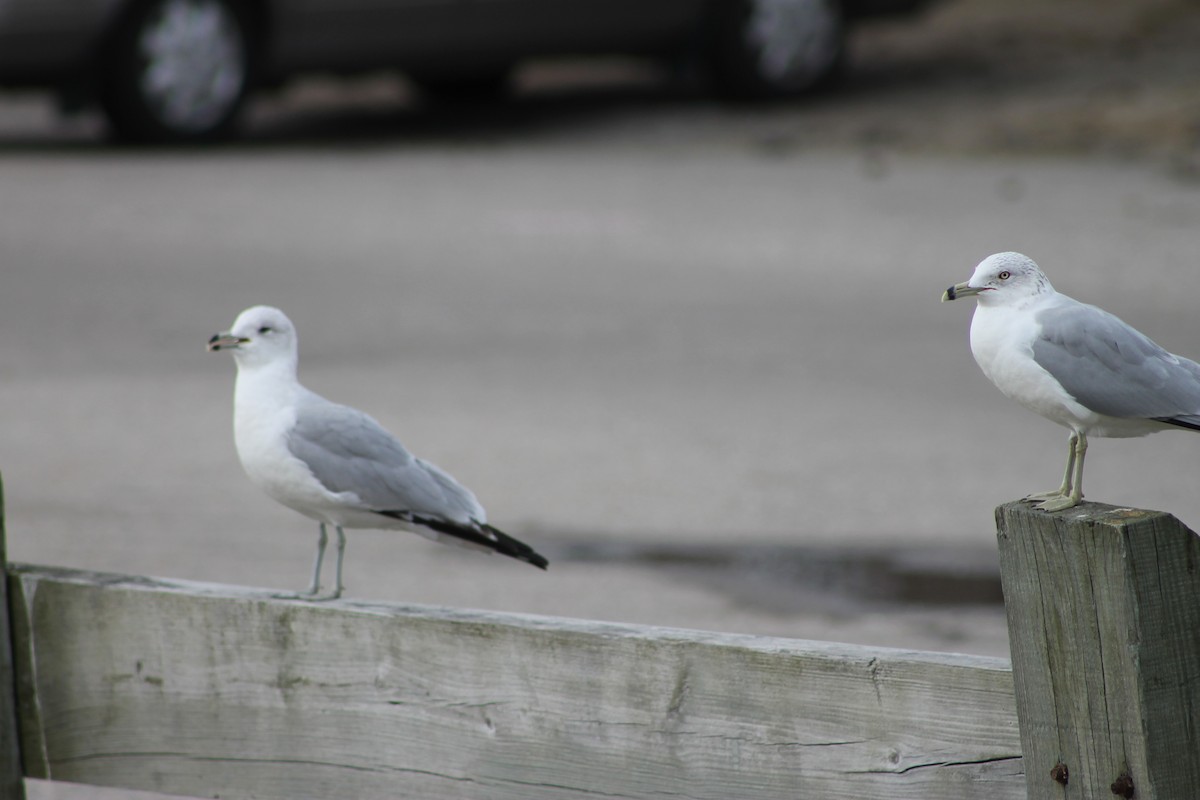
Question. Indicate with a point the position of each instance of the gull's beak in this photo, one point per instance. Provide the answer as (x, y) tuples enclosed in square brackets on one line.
[(224, 341), (959, 290)]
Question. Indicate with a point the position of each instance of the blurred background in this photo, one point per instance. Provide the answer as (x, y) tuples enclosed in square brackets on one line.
[(690, 348)]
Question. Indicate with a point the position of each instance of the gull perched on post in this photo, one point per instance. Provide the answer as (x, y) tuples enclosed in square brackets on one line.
[(337, 465), (1073, 363)]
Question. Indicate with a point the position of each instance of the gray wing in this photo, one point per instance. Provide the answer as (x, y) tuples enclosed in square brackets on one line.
[(349, 451), (1112, 368)]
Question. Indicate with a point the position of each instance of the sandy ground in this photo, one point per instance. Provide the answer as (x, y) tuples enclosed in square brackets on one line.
[(687, 350)]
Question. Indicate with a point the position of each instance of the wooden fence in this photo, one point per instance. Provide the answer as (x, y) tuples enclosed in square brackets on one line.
[(217, 691)]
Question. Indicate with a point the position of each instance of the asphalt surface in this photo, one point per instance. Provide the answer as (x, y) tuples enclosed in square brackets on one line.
[(632, 342)]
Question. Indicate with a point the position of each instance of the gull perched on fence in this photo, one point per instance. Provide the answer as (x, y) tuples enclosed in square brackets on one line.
[(1073, 363), (335, 464)]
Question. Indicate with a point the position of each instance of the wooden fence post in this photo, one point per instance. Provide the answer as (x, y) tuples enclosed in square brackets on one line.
[(12, 779), (1104, 621)]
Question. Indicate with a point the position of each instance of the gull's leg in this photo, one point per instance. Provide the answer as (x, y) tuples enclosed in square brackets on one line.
[(341, 552), (1080, 451), (315, 586), (1072, 498), (322, 540), (1065, 489)]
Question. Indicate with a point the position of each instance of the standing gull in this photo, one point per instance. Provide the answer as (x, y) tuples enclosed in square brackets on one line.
[(335, 464), (1073, 363)]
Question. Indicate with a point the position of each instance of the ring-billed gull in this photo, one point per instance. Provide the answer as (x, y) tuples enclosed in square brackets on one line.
[(1073, 363), (335, 464)]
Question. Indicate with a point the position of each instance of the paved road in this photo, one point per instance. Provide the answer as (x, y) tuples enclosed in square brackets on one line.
[(612, 334)]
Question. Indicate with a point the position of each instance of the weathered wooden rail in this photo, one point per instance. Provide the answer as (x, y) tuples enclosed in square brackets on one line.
[(217, 691)]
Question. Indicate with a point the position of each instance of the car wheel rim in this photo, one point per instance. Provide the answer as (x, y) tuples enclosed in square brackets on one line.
[(796, 40), (194, 63)]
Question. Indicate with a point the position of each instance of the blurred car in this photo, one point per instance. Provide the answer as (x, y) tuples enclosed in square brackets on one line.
[(181, 70)]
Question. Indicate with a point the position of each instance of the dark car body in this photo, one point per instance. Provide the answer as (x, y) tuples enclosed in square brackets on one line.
[(120, 52)]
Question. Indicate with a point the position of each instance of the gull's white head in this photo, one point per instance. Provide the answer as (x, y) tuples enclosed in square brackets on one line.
[(1002, 278), (260, 335)]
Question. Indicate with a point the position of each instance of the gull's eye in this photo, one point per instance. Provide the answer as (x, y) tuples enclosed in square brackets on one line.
[(264, 330), (1002, 276)]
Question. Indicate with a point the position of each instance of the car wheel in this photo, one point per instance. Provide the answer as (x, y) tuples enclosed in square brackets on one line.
[(777, 48), (177, 71)]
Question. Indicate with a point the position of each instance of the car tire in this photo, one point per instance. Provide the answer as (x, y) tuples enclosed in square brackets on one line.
[(765, 49), (177, 71), (474, 86)]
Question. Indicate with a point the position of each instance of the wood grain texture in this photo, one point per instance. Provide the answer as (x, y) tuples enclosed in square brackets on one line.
[(1104, 621), (219, 691), (12, 780)]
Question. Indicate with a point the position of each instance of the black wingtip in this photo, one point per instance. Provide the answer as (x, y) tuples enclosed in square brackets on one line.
[(1189, 421), (515, 548), (485, 535)]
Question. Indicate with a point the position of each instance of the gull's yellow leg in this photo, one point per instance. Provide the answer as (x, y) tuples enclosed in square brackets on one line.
[(1071, 498), (1065, 489)]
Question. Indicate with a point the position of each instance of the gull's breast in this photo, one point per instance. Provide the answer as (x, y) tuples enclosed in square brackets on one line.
[(261, 432), (1002, 343)]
